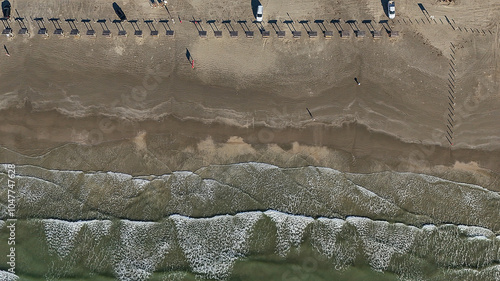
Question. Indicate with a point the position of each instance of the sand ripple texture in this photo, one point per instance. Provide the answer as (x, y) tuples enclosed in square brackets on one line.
[(209, 248)]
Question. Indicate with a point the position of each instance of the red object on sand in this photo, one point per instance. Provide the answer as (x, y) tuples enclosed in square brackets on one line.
[(192, 64)]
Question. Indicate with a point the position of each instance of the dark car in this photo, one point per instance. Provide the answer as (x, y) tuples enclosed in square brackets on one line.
[(6, 9), (119, 12)]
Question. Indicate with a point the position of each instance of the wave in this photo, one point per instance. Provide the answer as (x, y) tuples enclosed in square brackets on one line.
[(410, 198), (211, 246), (7, 276), (134, 227)]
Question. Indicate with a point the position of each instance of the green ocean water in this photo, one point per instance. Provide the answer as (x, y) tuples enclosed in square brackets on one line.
[(249, 222), (217, 249)]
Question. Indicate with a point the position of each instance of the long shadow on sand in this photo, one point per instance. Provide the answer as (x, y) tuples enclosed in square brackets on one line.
[(255, 4), (385, 4), (119, 12)]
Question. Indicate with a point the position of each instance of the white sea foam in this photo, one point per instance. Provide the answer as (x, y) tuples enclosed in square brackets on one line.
[(381, 239), (475, 231), (290, 229), (429, 227), (7, 276), (140, 183), (142, 246), (60, 235), (481, 237), (212, 245), (260, 167), (489, 273), (324, 240), (377, 204), (99, 228), (33, 190), (113, 191), (175, 276), (190, 191), (119, 176)]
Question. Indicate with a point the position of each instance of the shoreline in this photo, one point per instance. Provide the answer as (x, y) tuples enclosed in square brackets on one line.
[(37, 134)]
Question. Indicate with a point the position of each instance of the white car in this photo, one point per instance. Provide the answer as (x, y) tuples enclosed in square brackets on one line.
[(259, 13), (391, 10)]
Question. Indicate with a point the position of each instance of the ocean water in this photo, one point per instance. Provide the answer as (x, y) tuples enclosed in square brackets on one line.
[(250, 221)]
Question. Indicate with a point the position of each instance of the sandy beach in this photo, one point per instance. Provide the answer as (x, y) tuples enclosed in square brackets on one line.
[(428, 101), (241, 86)]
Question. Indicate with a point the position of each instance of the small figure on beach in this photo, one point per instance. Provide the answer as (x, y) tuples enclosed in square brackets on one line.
[(6, 51), (356, 79)]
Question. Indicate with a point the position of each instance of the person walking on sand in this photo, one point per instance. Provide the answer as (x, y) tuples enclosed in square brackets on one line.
[(6, 51), (356, 79)]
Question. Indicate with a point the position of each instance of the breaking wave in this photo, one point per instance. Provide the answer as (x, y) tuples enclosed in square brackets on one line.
[(209, 247), (198, 223)]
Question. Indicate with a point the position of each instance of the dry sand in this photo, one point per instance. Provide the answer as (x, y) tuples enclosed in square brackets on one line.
[(142, 108)]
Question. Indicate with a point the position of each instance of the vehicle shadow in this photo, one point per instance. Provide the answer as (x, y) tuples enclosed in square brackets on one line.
[(119, 12), (255, 4), (385, 4)]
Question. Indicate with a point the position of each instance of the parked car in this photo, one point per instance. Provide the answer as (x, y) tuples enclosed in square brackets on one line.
[(391, 10), (259, 13)]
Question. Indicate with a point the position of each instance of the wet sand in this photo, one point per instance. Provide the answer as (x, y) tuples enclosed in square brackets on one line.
[(104, 91), (39, 140)]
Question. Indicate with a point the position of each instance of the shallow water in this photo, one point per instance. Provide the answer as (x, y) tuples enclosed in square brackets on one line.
[(251, 246), (306, 223)]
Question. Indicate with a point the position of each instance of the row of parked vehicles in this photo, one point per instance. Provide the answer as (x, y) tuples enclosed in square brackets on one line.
[(391, 11)]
